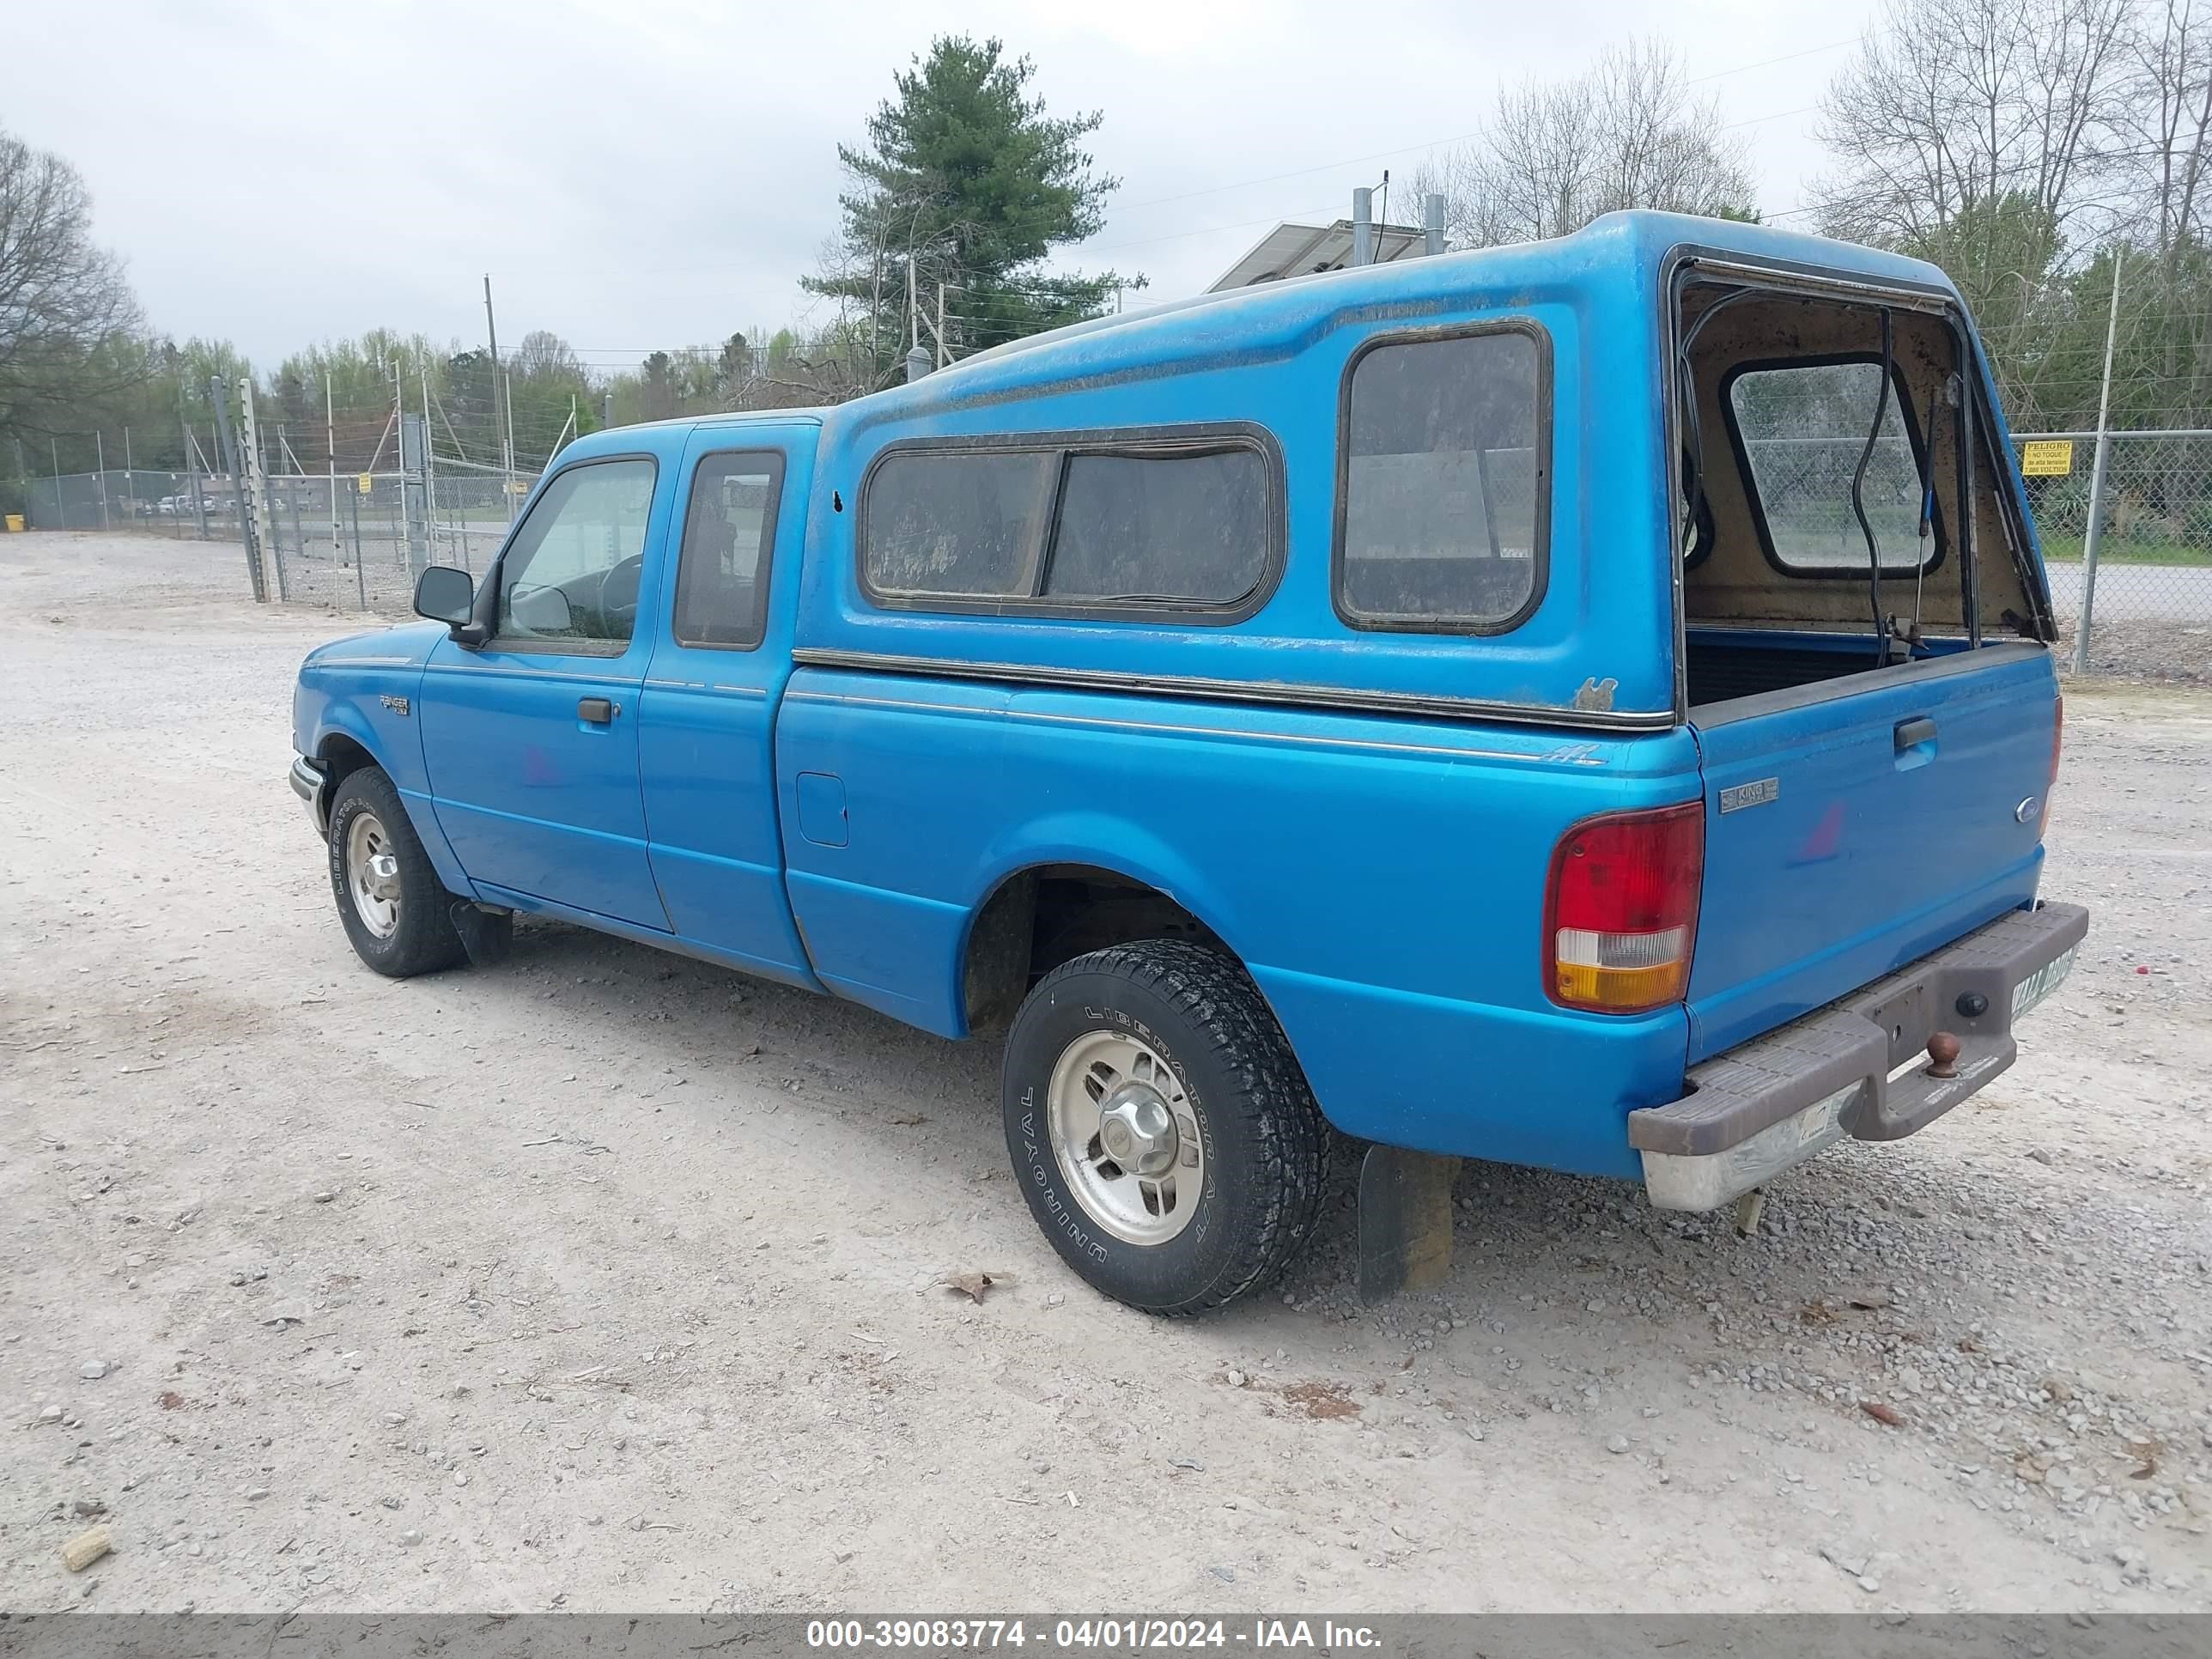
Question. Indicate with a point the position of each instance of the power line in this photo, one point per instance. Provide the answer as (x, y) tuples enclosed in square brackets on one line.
[(1768, 62)]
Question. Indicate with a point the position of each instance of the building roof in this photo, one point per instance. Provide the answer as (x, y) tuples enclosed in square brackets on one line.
[(1292, 249)]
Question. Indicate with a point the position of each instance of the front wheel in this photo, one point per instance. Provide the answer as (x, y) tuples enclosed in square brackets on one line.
[(394, 909), (1160, 1127)]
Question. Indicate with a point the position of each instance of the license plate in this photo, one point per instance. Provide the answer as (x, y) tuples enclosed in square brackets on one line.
[(2042, 981)]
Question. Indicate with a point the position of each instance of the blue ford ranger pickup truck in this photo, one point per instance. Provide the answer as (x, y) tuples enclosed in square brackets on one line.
[(1587, 704)]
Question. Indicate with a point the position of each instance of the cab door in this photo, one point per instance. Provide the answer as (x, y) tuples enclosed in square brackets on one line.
[(531, 741), (708, 715)]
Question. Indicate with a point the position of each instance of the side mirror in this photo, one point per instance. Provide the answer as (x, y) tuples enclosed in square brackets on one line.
[(444, 594)]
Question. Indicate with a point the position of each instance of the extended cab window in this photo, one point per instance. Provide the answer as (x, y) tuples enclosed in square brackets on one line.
[(570, 575), (1444, 498), (1800, 430), (722, 576), (1076, 526)]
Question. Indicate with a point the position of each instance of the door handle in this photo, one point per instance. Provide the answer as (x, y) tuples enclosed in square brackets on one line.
[(1910, 734), (598, 710)]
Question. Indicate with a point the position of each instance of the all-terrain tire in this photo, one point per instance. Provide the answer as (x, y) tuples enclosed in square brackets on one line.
[(421, 937), (1264, 1140)]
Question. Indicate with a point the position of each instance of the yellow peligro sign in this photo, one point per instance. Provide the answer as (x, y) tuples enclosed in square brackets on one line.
[(364, 481), (2047, 458)]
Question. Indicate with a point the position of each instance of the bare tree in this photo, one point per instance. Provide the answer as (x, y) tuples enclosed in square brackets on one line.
[(545, 354), (1951, 105), (65, 311), (2166, 122), (1553, 157)]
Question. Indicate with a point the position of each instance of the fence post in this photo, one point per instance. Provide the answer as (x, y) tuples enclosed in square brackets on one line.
[(263, 533), (360, 576), (193, 467), (2094, 533), (225, 443), (100, 455), (413, 494)]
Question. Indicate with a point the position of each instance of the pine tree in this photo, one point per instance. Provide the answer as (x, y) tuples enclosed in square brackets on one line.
[(965, 173)]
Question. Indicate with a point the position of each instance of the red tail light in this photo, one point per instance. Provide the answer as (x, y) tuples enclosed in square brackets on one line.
[(1620, 915), (2058, 740)]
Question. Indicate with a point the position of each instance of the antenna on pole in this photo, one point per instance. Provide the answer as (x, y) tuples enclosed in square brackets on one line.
[(944, 352), (917, 359)]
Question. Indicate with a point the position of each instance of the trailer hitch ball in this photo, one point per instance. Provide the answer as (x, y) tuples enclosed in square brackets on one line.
[(1943, 1056)]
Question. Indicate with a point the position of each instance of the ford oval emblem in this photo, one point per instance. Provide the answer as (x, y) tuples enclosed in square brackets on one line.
[(2025, 811)]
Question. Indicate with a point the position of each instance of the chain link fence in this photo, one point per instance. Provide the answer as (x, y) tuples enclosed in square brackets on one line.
[(342, 541), (349, 543), (359, 541), (2150, 601), (138, 498)]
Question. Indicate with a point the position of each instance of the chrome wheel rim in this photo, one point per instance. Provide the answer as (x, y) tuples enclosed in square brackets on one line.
[(371, 872), (1125, 1137)]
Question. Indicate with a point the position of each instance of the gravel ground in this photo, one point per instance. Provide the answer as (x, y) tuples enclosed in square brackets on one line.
[(606, 1280)]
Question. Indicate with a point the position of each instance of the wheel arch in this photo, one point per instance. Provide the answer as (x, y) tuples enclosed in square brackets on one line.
[(347, 739), (1040, 913)]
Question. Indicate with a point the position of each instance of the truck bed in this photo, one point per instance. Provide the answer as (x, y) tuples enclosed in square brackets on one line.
[(1724, 665)]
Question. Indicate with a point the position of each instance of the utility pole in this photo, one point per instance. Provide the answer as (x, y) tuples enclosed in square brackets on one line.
[(2094, 533), (1363, 225), (1432, 222), (498, 377), (430, 470)]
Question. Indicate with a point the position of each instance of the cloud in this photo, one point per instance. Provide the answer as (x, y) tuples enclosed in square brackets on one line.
[(660, 172)]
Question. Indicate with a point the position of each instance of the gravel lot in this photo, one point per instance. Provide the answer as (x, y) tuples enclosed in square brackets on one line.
[(605, 1280)]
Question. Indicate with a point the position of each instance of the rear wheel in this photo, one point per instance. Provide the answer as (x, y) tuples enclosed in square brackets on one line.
[(1161, 1129), (394, 909)]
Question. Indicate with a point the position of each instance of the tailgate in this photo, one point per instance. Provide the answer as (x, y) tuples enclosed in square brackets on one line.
[(1855, 825)]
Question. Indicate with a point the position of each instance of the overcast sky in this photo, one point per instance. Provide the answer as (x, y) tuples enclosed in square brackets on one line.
[(658, 173)]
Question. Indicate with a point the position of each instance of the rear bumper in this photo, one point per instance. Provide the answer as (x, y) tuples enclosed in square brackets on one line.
[(1774, 1102), (308, 780)]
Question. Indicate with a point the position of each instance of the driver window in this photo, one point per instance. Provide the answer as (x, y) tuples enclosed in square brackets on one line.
[(570, 575)]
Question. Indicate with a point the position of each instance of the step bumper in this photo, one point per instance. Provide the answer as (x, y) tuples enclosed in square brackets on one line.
[(1857, 1066)]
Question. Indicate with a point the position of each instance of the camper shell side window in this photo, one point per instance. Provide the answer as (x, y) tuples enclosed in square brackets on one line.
[(1184, 521), (1445, 479)]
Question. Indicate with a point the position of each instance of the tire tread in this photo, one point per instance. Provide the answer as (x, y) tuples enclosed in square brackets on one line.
[(426, 939), (1288, 1134)]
